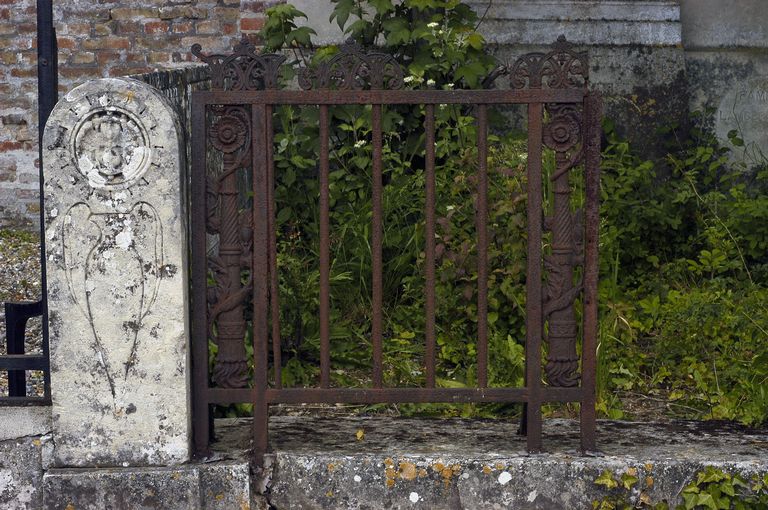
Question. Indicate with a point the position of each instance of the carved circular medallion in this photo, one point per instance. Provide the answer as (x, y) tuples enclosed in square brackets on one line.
[(111, 148)]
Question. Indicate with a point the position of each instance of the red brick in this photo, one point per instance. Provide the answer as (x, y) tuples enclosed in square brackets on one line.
[(208, 27), (105, 58), (66, 43), (156, 27), (229, 28), (111, 43), (75, 29), (26, 28), (9, 58), (251, 24), (12, 146), (128, 27), (159, 57), (28, 194), (183, 11), (82, 57), (125, 13), (80, 72), (30, 72), (136, 58), (125, 71), (162, 42), (104, 28), (182, 28)]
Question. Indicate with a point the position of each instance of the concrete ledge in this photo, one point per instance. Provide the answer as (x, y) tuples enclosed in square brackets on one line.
[(24, 421), (215, 486), (318, 463)]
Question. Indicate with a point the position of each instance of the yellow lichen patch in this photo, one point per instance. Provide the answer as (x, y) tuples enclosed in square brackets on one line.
[(407, 471), (360, 434), (422, 473), (648, 466), (329, 494), (331, 467), (219, 497), (391, 474), (456, 468), (70, 506), (388, 462), (499, 466), (632, 471), (176, 475), (438, 466), (649, 481), (487, 470), (36, 442)]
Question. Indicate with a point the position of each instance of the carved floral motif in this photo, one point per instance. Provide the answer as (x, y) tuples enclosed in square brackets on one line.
[(563, 135), (229, 134), (111, 149)]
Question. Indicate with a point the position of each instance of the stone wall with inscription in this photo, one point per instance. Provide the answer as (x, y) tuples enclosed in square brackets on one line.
[(117, 283), (727, 63)]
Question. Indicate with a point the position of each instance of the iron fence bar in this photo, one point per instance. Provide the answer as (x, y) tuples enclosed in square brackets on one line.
[(533, 304), (593, 114), (200, 405), (19, 363), (16, 317), (390, 395), (406, 97), (325, 264), (260, 283), (429, 251), (376, 247), (24, 401), (274, 287), (482, 246)]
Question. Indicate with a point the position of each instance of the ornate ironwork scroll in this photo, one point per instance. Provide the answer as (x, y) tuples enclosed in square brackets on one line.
[(230, 134), (563, 135), (243, 69), (561, 68), (354, 69)]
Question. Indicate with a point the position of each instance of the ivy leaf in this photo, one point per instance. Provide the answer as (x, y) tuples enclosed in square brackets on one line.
[(475, 40), (382, 6), (342, 11), (606, 479)]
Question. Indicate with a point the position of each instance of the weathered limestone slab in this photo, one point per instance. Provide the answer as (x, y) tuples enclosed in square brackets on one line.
[(216, 486), (456, 464), (116, 248), (16, 422), (21, 472)]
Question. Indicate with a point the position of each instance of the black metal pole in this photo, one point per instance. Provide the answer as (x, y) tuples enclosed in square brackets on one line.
[(47, 96)]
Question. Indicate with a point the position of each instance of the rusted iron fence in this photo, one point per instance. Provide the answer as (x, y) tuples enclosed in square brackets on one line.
[(234, 256)]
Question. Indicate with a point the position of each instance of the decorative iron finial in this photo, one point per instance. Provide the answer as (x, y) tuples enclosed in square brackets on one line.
[(560, 68), (243, 69), (352, 68)]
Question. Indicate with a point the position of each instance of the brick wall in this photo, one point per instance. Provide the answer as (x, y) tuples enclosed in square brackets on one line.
[(96, 38)]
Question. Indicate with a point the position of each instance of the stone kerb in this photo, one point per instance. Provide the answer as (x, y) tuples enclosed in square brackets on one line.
[(117, 277)]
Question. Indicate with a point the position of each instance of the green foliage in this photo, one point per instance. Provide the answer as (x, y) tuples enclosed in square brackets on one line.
[(684, 282), (683, 251), (711, 489)]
